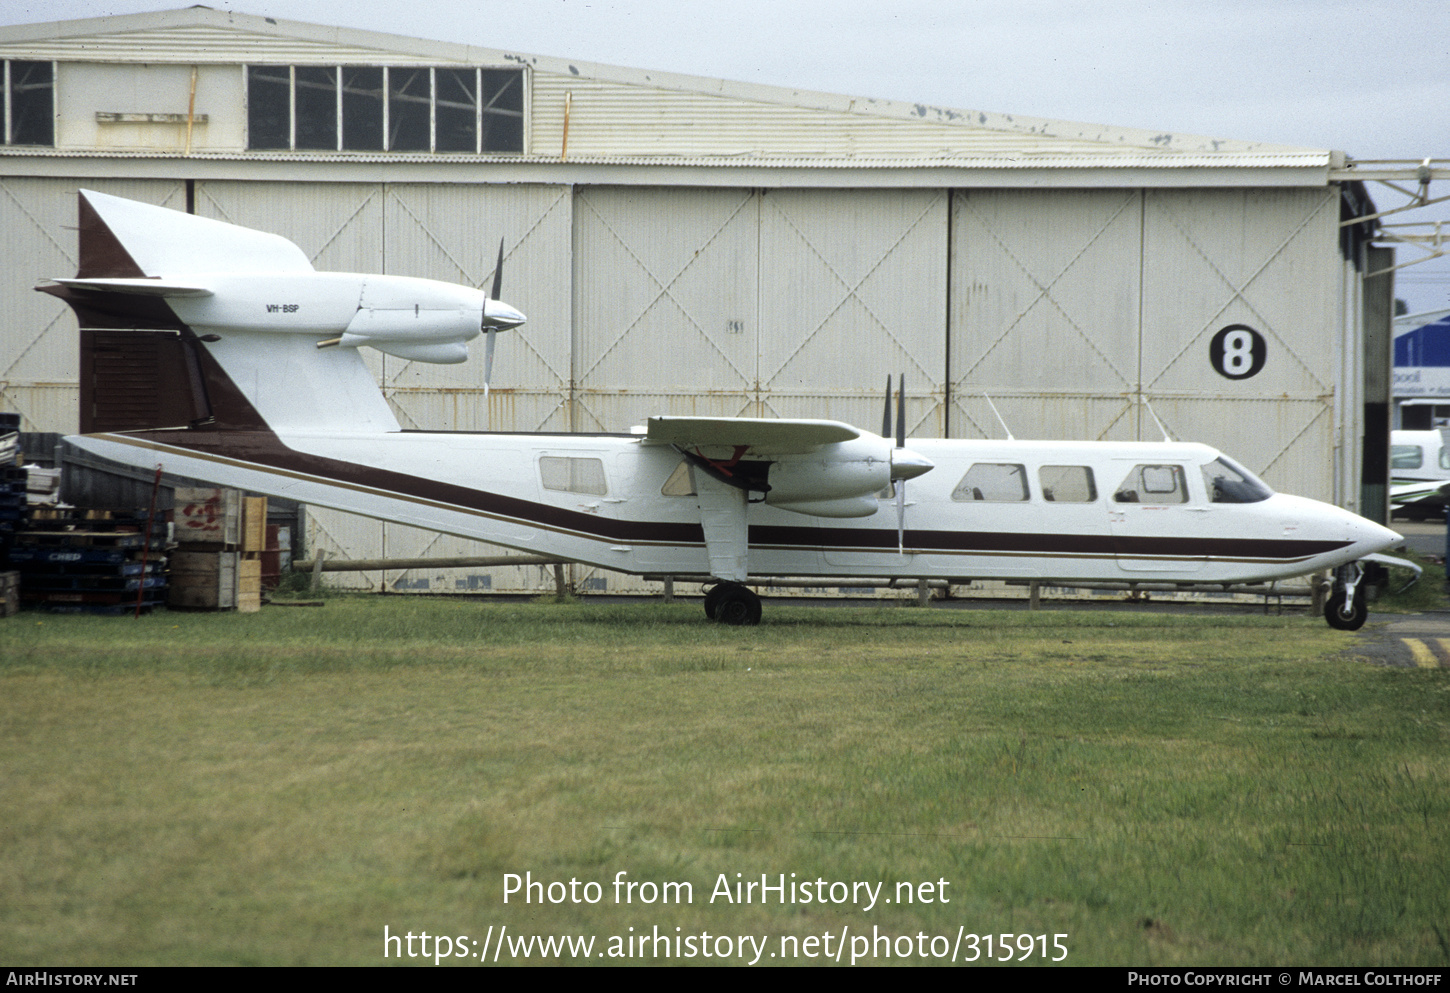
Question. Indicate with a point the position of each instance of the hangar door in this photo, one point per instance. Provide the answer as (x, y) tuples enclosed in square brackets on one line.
[(774, 303), (1098, 314)]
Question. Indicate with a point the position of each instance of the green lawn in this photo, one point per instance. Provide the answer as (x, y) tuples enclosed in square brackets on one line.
[(279, 788)]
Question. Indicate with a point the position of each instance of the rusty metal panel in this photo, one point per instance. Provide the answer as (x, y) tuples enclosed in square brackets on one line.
[(338, 225), (452, 233), (738, 303), (1045, 296), (666, 299), (1055, 416), (1240, 328), (1263, 259), (852, 289)]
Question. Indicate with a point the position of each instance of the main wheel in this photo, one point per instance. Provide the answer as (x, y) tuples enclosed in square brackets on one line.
[(712, 599), (1344, 618), (737, 606)]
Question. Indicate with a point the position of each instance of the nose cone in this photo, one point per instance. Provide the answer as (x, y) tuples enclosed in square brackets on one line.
[(1326, 521), (906, 464), (1377, 535), (500, 316)]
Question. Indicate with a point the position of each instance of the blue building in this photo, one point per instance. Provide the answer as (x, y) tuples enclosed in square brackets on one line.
[(1422, 371)]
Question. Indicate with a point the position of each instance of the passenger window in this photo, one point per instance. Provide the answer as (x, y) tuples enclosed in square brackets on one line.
[(993, 482), (573, 475), (1067, 484), (1153, 484)]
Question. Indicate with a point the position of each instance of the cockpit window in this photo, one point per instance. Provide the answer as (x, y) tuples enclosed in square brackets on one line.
[(1153, 484), (1228, 482)]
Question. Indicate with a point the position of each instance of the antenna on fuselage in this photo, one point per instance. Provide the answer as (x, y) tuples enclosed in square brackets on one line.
[(999, 416), (1155, 419)]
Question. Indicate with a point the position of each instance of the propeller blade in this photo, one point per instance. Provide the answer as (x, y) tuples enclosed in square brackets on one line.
[(488, 359), (498, 274), (901, 414), (901, 517), (886, 414)]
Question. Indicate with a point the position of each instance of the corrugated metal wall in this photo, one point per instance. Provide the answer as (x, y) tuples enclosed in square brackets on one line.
[(1078, 311)]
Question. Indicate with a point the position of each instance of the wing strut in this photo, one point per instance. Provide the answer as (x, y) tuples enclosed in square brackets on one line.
[(727, 537)]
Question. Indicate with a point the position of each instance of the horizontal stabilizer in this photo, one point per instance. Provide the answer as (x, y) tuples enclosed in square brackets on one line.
[(140, 287), (762, 435)]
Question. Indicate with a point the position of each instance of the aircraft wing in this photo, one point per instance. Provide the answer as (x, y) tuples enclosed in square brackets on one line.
[(761, 435), (1429, 493)]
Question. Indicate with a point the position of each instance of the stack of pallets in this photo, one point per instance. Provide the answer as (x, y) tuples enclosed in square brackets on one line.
[(90, 561), (14, 516), (217, 563)]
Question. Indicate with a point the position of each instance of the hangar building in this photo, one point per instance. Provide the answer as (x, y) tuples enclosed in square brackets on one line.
[(691, 245)]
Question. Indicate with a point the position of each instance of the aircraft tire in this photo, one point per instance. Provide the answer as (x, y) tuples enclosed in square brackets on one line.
[(738, 606), (1351, 620), (712, 599)]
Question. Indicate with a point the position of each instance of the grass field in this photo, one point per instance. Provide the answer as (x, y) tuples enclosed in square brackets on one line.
[(279, 788)]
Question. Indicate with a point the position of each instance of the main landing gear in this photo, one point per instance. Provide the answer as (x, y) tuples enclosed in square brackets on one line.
[(1346, 609), (731, 603)]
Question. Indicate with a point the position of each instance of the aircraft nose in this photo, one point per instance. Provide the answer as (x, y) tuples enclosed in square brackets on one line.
[(1367, 535), (906, 464), (500, 316)]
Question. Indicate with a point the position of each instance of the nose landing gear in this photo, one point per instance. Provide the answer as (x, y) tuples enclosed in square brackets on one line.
[(1346, 609)]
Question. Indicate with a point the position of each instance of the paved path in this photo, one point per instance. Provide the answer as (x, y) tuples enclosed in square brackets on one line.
[(1407, 641)]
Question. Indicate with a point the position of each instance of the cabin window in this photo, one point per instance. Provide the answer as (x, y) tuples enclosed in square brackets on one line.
[(1407, 457), (573, 475), (993, 482), (1067, 484), (385, 109), (1153, 484), (29, 95), (1228, 482), (680, 483)]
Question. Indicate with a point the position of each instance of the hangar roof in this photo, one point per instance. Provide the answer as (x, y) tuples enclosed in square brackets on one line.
[(591, 116)]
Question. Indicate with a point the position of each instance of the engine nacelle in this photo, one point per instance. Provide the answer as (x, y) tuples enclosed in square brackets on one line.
[(839, 480)]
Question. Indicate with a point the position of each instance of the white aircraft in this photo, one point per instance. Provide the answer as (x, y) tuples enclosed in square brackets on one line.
[(275, 399), (1420, 473)]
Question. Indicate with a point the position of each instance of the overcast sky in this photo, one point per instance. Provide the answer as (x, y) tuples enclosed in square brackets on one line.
[(1368, 77)]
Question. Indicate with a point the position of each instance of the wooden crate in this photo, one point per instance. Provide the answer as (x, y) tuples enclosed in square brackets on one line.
[(203, 580), (254, 524), (208, 516)]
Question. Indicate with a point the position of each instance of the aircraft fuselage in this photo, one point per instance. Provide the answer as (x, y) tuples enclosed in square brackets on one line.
[(601, 500)]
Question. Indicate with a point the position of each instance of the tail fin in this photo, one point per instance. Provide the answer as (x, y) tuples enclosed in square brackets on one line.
[(141, 366), (124, 238)]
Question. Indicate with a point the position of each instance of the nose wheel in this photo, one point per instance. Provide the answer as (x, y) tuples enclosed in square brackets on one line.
[(1346, 609), (731, 603)]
